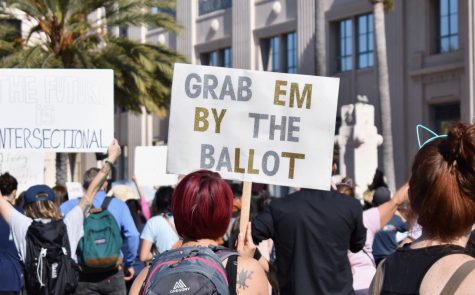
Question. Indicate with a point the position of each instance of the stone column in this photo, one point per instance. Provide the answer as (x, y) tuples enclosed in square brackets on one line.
[(358, 140), (186, 14), (243, 42), (306, 36)]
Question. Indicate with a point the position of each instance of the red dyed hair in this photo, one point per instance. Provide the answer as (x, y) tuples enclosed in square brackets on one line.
[(442, 185), (201, 205)]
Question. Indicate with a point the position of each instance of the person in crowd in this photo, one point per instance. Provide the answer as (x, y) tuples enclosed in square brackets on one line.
[(312, 231), (160, 230), (363, 264), (230, 237), (129, 197), (388, 239), (110, 282), (61, 194), (40, 205), (378, 189), (442, 195), (10, 267), (144, 207), (471, 243), (201, 206), (134, 203)]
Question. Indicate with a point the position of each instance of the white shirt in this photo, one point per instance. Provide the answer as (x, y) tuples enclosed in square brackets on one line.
[(19, 225)]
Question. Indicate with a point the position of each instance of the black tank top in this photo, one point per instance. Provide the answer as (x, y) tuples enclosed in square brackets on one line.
[(405, 269)]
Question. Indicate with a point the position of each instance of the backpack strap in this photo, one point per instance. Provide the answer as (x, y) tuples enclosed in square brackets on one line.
[(106, 203), (377, 283), (231, 273), (231, 267), (458, 277)]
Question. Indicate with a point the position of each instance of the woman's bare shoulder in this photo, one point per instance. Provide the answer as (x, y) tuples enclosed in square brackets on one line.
[(251, 277), (439, 274)]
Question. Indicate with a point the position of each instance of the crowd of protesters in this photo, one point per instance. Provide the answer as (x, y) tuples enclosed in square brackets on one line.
[(420, 240)]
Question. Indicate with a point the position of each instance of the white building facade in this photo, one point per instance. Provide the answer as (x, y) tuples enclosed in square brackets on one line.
[(430, 53)]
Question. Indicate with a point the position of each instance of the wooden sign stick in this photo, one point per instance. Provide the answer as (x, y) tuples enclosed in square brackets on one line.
[(245, 206)]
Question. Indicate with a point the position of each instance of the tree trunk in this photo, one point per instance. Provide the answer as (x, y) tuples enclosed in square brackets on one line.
[(61, 168), (383, 90), (321, 69)]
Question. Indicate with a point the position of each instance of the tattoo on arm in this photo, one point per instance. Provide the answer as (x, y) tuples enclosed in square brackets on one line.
[(85, 205), (243, 277)]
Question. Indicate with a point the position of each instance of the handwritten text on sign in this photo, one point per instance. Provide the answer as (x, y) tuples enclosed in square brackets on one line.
[(255, 126), (26, 167), (56, 110)]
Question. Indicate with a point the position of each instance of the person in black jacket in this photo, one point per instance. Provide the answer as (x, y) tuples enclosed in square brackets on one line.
[(313, 231)]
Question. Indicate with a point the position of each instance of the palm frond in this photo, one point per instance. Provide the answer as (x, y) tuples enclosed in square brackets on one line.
[(71, 38)]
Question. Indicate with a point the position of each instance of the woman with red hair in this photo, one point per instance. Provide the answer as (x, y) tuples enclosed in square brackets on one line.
[(442, 195), (201, 206)]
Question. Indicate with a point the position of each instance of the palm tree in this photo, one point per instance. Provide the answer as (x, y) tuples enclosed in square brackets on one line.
[(64, 35), (383, 88)]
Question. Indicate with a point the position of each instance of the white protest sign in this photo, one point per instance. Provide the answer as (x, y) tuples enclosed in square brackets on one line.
[(151, 166), (27, 168), (75, 190), (253, 126), (60, 110)]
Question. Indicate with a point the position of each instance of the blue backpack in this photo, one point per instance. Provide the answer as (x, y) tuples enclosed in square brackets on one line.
[(192, 270)]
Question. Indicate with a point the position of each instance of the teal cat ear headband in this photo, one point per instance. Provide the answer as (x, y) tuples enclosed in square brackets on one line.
[(435, 135)]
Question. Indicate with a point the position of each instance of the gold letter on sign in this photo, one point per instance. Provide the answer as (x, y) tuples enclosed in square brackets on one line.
[(218, 119), (295, 95), (250, 163), (278, 92), (201, 115), (292, 157), (237, 159)]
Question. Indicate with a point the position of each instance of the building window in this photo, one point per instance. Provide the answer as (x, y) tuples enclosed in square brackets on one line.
[(207, 6), (345, 50), (365, 41), (291, 53), (275, 51), (168, 11), (279, 53), (123, 31), (448, 39), (443, 115), (217, 58), (227, 58)]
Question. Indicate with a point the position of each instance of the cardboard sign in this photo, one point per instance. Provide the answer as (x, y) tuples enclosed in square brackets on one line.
[(75, 190), (60, 110), (254, 126), (151, 166), (27, 168)]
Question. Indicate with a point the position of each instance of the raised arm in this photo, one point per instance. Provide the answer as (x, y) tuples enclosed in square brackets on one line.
[(5, 208), (387, 210), (143, 202), (113, 152)]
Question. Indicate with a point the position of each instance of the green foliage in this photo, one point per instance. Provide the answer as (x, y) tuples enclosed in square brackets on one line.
[(64, 35)]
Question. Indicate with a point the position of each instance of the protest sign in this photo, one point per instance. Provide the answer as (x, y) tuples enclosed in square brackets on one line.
[(151, 166), (254, 126), (60, 110), (27, 168), (75, 190)]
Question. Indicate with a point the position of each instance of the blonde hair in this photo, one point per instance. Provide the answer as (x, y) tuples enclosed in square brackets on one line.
[(43, 209)]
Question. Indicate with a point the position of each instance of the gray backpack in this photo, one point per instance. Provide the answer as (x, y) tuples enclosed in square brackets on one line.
[(192, 270)]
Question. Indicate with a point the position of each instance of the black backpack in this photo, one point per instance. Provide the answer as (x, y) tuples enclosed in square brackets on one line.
[(192, 271), (49, 268)]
